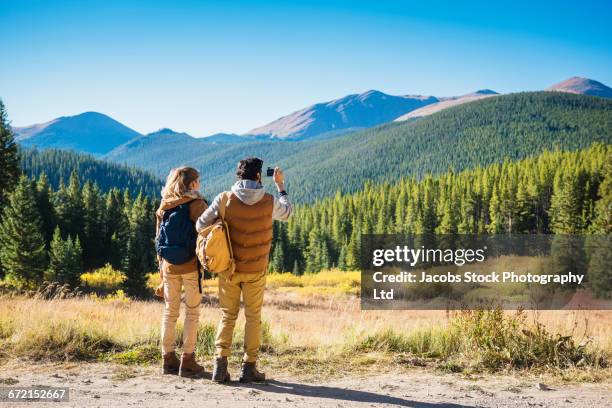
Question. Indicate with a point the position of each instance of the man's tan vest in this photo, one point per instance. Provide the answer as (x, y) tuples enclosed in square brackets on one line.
[(250, 228)]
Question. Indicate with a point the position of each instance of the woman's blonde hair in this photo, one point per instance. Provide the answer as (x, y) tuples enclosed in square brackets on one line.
[(178, 182)]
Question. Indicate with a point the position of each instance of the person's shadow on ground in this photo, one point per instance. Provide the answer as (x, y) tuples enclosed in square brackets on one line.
[(342, 394)]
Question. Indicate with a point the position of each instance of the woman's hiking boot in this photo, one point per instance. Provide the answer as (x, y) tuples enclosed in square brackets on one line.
[(189, 366), (220, 373), (170, 363), (249, 373)]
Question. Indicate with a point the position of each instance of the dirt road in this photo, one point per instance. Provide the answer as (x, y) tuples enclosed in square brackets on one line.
[(106, 385)]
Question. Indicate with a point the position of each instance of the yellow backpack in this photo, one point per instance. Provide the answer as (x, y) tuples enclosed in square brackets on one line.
[(214, 248)]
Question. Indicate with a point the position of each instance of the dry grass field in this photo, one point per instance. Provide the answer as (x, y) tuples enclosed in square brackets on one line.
[(313, 327)]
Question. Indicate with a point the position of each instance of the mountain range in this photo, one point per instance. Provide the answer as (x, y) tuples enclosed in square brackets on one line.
[(489, 130), (98, 134), (351, 112), (459, 132)]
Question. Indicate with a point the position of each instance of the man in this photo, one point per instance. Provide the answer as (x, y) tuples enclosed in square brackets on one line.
[(249, 214)]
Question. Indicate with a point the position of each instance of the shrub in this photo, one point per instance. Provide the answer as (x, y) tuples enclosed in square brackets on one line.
[(103, 280), (488, 339), (330, 282), (141, 354), (495, 340), (153, 281)]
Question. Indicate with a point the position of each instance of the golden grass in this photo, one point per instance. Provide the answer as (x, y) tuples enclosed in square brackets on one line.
[(313, 325)]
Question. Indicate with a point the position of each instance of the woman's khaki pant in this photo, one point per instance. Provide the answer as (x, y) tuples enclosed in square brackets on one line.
[(172, 297), (251, 286)]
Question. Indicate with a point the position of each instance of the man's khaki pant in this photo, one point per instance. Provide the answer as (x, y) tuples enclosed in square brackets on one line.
[(251, 286), (172, 298)]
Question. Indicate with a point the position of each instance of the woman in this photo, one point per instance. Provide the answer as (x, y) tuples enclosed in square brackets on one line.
[(180, 207)]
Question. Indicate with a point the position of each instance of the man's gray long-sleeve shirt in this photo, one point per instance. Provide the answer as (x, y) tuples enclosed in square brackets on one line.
[(249, 192)]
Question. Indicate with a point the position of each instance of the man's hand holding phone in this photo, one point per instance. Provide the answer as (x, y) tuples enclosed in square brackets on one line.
[(279, 179)]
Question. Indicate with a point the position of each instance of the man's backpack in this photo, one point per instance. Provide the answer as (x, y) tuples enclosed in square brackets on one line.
[(214, 247), (176, 241)]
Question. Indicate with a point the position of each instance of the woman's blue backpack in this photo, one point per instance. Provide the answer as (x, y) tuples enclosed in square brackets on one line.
[(176, 242)]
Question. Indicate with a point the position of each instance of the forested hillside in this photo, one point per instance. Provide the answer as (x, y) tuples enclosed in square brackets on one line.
[(59, 164), (555, 192), (477, 133), (55, 235)]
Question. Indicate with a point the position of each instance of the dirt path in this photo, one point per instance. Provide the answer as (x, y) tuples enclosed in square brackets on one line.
[(105, 385)]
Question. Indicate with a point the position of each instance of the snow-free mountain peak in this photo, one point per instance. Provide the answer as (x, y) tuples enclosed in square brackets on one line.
[(583, 86), (350, 112), (447, 102), (90, 132)]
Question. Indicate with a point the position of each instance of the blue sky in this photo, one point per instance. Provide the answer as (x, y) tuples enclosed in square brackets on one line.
[(207, 67)]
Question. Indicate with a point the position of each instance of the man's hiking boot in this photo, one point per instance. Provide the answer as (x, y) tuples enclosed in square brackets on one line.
[(189, 366), (170, 363), (249, 373), (220, 373)]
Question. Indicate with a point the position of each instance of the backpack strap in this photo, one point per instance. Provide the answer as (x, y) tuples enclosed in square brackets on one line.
[(166, 213), (199, 275), (223, 204)]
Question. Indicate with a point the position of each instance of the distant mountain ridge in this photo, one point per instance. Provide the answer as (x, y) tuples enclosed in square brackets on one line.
[(447, 102), (354, 111), (89, 132), (478, 133), (583, 86), (100, 135)]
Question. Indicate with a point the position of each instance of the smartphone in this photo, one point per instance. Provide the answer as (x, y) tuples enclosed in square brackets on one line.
[(269, 172)]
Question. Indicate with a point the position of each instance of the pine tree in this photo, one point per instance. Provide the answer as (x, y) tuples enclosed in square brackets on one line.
[(565, 209), (427, 220), (324, 259), (313, 255), (296, 268), (115, 229), (603, 209), (44, 202), (140, 256), (353, 251), (276, 264), (75, 195), (22, 245), (600, 273), (525, 213), (9, 159), (65, 259), (495, 213), (600, 259), (68, 204), (93, 230), (448, 221), (342, 257)]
